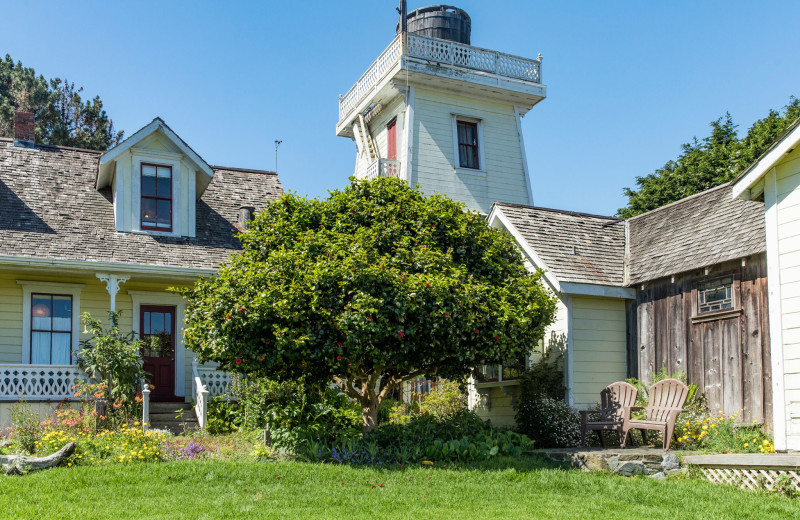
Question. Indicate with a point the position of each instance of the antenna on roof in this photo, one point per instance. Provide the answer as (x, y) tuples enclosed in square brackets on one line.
[(277, 144)]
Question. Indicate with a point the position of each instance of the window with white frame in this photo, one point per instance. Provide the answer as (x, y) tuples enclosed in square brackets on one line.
[(468, 144), (51, 329), (715, 295), (50, 316)]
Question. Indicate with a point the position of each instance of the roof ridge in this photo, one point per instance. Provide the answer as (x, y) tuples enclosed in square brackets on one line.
[(245, 170), (680, 201), (58, 146), (563, 211)]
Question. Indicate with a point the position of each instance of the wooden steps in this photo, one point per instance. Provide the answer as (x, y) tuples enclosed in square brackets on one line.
[(173, 417)]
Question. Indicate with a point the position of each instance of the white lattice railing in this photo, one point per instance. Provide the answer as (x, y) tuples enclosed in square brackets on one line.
[(39, 382), (371, 77), (440, 51), (461, 55), (383, 168)]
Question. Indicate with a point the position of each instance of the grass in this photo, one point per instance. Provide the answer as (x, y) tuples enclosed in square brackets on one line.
[(505, 488)]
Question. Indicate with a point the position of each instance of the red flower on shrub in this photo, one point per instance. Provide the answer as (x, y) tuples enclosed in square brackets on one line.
[(261, 358), (400, 333), (241, 310), (238, 361), (477, 331), (339, 344), (338, 358), (446, 314), (427, 284), (228, 316), (496, 338)]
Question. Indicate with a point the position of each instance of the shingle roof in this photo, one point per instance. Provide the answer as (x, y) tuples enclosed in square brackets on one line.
[(698, 231), (50, 209), (576, 247)]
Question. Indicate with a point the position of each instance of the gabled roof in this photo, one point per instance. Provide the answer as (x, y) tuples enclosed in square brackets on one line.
[(104, 173), (574, 247), (784, 144), (694, 232), (52, 211)]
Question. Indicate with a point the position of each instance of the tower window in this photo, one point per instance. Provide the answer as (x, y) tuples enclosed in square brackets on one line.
[(468, 154)]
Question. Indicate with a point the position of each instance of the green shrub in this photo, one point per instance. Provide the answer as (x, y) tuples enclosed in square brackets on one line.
[(444, 401), (27, 430), (290, 409), (462, 436), (114, 358), (544, 377), (551, 423)]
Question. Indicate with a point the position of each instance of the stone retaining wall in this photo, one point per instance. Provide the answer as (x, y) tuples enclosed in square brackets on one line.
[(653, 463)]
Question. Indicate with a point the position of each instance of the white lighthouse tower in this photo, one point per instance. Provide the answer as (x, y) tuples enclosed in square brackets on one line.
[(443, 114)]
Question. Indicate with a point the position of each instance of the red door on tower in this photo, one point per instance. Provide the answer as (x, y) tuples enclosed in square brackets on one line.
[(391, 139)]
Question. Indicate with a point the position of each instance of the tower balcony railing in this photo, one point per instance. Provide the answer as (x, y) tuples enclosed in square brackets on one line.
[(441, 52), (383, 168)]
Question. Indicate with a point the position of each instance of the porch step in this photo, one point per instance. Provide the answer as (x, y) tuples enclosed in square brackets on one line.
[(173, 417)]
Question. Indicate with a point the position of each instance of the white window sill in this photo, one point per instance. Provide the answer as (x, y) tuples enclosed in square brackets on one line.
[(470, 171), (155, 233)]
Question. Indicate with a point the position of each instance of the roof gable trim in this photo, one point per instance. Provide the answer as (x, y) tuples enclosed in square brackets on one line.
[(748, 179), (496, 214)]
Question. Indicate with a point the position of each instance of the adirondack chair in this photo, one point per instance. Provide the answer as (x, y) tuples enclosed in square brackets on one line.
[(616, 401), (665, 401)]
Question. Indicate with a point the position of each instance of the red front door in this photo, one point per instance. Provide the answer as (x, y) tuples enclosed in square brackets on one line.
[(157, 329)]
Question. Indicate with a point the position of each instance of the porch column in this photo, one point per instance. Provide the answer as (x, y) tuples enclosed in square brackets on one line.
[(112, 282)]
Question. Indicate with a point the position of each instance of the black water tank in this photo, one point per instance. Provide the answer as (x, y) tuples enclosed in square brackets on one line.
[(440, 21)]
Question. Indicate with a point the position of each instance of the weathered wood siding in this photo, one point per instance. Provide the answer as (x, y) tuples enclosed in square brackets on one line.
[(599, 347), (727, 357), (787, 184)]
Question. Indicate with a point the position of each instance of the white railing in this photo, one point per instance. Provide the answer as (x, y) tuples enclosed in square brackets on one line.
[(461, 55), (371, 77), (39, 382), (145, 405), (440, 51), (200, 396), (207, 383), (383, 168)]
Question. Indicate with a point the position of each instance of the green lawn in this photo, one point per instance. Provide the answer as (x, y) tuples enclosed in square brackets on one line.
[(515, 489)]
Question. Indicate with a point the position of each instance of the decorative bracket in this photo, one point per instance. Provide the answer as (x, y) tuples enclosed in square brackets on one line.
[(112, 282)]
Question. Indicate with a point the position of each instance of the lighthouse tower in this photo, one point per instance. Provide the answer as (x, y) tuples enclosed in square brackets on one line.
[(443, 114)]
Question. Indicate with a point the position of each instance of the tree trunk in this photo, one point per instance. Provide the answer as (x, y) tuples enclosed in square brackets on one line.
[(18, 464), (370, 411)]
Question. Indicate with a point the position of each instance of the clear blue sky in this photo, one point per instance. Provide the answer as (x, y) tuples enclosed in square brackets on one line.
[(628, 82)]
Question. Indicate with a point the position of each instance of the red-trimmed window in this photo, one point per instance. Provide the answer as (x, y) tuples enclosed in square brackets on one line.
[(51, 329), (156, 197)]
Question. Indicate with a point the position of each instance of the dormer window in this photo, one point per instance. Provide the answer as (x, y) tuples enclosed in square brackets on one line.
[(156, 197)]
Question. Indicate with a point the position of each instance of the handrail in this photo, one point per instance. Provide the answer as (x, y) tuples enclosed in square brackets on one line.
[(201, 396), (145, 405), (442, 52)]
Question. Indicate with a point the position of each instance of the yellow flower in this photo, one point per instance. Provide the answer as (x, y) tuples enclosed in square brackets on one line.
[(713, 425), (705, 427), (746, 445), (765, 442)]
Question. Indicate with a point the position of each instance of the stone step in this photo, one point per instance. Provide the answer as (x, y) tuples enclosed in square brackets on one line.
[(161, 407)]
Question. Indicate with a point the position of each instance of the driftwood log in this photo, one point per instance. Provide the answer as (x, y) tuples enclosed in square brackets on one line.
[(19, 464)]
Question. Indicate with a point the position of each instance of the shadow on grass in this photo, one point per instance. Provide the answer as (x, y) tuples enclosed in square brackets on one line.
[(522, 464)]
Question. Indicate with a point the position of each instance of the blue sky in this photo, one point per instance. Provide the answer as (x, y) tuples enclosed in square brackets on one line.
[(628, 82)]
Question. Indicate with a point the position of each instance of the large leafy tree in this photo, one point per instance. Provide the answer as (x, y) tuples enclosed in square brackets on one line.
[(708, 162), (369, 288), (62, 117)]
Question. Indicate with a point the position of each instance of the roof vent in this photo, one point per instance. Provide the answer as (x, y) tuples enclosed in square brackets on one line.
[(24, 129)]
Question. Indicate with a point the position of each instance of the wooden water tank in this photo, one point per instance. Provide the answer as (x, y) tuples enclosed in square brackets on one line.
[(440, 21)]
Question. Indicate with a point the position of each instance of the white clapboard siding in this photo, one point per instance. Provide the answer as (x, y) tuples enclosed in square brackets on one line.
[(787, 184), (598, 347), (434, 161)]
